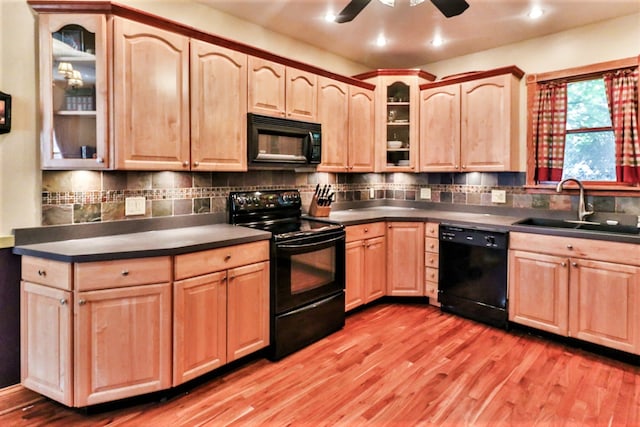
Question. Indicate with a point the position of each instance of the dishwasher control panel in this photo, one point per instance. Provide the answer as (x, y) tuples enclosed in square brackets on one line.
[(474, 236)]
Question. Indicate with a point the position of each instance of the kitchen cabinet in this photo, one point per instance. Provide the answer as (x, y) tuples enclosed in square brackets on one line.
[(275, 89), (150, 97), (365, 264), (431, 261), (98, 331), (470, 123), (405, 259), (73, 91), (360, 157), (396, 120), (218, 108), (221, 307), (582, 288)]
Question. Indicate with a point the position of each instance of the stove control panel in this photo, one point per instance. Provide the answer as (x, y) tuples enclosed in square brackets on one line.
[(264, 200)]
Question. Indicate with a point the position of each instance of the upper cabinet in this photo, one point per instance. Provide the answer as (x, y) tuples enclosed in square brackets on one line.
[(218, 108), (150, 97), (470, 123), (73, 91), (279, 90), (396, 117)]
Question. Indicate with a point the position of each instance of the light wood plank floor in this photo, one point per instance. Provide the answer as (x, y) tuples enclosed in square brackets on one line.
[(392, 365)]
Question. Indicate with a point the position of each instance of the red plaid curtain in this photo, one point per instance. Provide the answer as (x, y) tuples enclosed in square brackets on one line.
[(549, 125), (622, 96)]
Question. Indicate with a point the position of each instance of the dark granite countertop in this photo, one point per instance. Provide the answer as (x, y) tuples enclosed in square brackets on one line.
[(173, 241)]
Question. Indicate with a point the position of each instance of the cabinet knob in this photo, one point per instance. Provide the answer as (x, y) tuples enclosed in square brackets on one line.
[(366, 230), (185, 164), (464, 166), (574, 264), (432, 246), (82, 302), (564, 264), (227, 258), (125, 272), (569, 246), (196, 164), (99, 160), (63, 301), (42, 273)]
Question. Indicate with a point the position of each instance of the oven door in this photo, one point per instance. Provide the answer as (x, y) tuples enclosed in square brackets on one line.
[(307, 269)]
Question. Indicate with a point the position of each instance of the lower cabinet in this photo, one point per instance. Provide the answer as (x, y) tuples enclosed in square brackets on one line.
[(222, 312), (366, 264), (585, 289), (405, 259)]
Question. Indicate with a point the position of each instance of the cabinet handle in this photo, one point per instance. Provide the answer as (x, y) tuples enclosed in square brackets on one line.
[(389, 226), (227, 258), (564, 264), (569, 247), (42, 273), (185, 164), (82, 302), (125, 272), (366, 230), (196, 164), (99, 160), (574, 264), (63, 301), (432, 246), (464, 166)]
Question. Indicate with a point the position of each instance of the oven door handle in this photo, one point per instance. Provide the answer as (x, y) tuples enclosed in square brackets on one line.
[(310, 245)]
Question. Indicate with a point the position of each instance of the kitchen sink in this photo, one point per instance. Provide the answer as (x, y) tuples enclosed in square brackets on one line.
[(579, 225)]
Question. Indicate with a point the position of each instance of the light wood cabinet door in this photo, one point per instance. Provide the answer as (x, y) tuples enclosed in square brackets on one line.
[(440, 129), (150, 97), (46, 341), (73, 115), (361, 130), (199, 326), (405, 259), (539, 291), (266, 87), (605, 304), (375, 267), (218, 108), (122, 345), (247, 310), (355, 274), (489, 128), (333, 115), (301, 95)]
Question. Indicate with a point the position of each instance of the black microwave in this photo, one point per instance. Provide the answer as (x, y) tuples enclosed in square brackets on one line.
[(275, 143)]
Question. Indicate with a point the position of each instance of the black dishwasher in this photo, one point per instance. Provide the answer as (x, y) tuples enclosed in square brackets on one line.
[(473, 273)]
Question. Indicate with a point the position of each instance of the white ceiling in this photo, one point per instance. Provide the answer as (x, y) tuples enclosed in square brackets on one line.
[(409, 30)]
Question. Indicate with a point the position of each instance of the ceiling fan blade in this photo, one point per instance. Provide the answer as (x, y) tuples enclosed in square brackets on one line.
[(351, 10), (451, 8)]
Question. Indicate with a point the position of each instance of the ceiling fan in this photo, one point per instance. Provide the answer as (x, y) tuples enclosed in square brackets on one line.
[(449, 8)]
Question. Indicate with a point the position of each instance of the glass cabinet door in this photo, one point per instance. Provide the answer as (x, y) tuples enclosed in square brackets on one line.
[(73, 91), (398, 125)]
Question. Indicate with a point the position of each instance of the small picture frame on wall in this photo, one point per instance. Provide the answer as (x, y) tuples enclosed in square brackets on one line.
[(5, 112), (73, 38)]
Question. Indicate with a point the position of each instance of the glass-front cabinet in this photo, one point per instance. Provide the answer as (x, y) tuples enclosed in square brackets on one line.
[(73, 80), (396, 117)]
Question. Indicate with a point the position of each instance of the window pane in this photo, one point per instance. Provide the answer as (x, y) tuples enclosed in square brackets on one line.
[(590, 156), (587, 105)]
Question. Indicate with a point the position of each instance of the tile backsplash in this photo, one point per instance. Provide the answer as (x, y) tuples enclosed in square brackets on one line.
[(74, 197)]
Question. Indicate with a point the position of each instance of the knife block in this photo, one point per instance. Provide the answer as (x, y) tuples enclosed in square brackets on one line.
[(318, 211)]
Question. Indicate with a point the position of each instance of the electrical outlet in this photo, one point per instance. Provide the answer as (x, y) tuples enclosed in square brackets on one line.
[(498, 196), (372, 193), (425, 193), (134, 206)]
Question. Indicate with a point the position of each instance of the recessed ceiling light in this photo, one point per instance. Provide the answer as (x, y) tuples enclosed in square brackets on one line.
[(330, 17), (437, 41), (535, 12), (381, 41)]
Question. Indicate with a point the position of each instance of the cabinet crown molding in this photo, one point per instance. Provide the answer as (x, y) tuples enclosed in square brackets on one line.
[(474, 75)]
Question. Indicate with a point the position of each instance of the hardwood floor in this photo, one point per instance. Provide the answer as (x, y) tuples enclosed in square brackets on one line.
[(392, 365)]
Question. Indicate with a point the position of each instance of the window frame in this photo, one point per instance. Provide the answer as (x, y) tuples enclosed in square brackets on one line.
[(575, 74)]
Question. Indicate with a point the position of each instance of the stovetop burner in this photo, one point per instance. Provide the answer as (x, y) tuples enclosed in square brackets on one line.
[(277, 211)]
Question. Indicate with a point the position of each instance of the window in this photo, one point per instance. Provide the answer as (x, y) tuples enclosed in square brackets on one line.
[(583, 123), (589, 151)]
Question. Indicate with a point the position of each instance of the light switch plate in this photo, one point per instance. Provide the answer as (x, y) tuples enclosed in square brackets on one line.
[(425, 193), (134, 206), (498, 196), (372, 193)]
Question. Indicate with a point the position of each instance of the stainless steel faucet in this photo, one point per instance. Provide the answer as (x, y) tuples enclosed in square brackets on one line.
[(582, 209)]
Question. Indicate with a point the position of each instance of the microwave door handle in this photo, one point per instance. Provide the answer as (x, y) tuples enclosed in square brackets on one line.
[(308, 144), (311, 245)]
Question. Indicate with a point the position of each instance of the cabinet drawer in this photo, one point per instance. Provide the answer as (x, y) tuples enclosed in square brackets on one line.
[(364, 231), (204, 262), (431, 229), (431, 289), (122, 272), (431, 259), (601, 250), (431, 244), (431, 274), (47, 272)]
